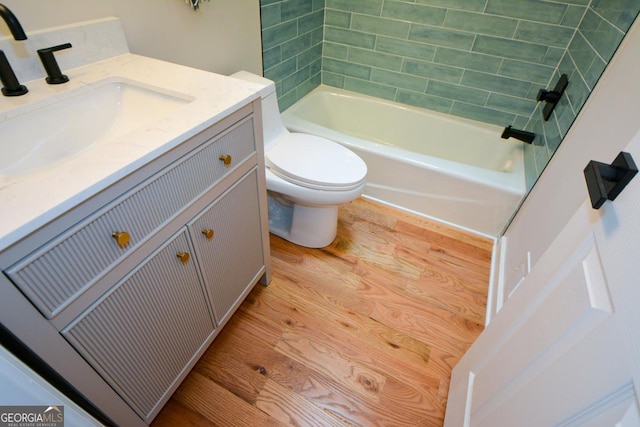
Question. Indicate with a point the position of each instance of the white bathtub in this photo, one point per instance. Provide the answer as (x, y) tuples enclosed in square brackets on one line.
[(450, 169)]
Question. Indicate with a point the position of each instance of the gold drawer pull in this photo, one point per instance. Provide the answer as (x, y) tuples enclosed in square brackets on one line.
[(183, 256), (208, 233), (226, 159), (122, 238)]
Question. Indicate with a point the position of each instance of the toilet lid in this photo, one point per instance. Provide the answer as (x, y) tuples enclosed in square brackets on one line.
[(314, 162)]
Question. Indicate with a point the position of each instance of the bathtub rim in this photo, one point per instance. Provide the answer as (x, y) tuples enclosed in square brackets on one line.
[(504, 181)]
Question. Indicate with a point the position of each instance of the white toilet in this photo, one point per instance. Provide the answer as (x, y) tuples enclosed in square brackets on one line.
[(307, 176)]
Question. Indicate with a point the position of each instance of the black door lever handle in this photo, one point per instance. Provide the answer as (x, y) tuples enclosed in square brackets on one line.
[(606, 182)]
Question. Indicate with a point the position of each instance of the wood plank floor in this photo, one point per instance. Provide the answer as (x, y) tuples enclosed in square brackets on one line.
[(364, 332)]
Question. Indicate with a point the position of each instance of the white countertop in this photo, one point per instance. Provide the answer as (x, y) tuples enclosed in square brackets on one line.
[(29, 202)]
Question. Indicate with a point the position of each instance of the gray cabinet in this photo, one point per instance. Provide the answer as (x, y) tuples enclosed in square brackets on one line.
[(143, 334), (139, 279), (90, 249), (224, 236)]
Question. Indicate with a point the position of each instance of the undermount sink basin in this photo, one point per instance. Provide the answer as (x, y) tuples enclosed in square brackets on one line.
[(66, 125)]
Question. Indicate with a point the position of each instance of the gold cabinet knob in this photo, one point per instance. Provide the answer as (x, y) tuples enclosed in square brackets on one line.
[(122, 238), (183, 257), (226, 159), (208, 233)]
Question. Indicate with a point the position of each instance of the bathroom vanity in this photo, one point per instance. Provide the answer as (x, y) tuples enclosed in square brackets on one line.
[(140, 286), (122, 263)]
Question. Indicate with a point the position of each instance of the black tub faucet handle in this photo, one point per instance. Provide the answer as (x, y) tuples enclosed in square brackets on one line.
[(551, 97), (548, 96)]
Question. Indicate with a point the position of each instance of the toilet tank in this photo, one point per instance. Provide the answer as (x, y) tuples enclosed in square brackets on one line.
[(272, 126)]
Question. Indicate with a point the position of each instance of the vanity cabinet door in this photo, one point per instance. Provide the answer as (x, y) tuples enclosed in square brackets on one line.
[(228, 241), (143, 335)]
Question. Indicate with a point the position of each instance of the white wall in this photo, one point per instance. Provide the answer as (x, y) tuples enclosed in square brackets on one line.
[(223, 37)]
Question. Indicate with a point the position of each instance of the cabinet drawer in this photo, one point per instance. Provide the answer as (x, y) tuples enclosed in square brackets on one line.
[(59, 272), (142, 335)]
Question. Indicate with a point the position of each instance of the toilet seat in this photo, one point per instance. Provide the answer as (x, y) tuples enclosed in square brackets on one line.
[(314, 162)]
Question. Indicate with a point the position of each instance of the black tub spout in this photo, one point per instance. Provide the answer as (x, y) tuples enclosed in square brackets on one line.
[(521, 135)]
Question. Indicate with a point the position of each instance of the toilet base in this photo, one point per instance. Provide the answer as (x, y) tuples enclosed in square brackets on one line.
[(309, 226)]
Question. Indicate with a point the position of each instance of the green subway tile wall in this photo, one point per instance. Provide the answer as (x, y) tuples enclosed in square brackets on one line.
[(292, 38), (479, 59), (600, 30)]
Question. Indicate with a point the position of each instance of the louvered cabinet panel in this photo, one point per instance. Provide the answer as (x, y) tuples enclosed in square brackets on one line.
[(143, 334), (55, 275), (231, 256)]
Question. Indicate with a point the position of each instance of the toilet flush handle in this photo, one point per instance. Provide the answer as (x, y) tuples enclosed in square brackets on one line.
[(226, 159)]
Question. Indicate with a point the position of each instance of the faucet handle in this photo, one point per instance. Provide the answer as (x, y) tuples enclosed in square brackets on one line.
[(54, 75), (10, 84)]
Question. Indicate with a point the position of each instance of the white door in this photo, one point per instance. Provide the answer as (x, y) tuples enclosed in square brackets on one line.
[(565, 349)]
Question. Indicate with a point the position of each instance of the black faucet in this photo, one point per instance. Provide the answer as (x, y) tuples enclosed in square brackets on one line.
[(54, 75), (10, 84), (518, 134), (13, 23)]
